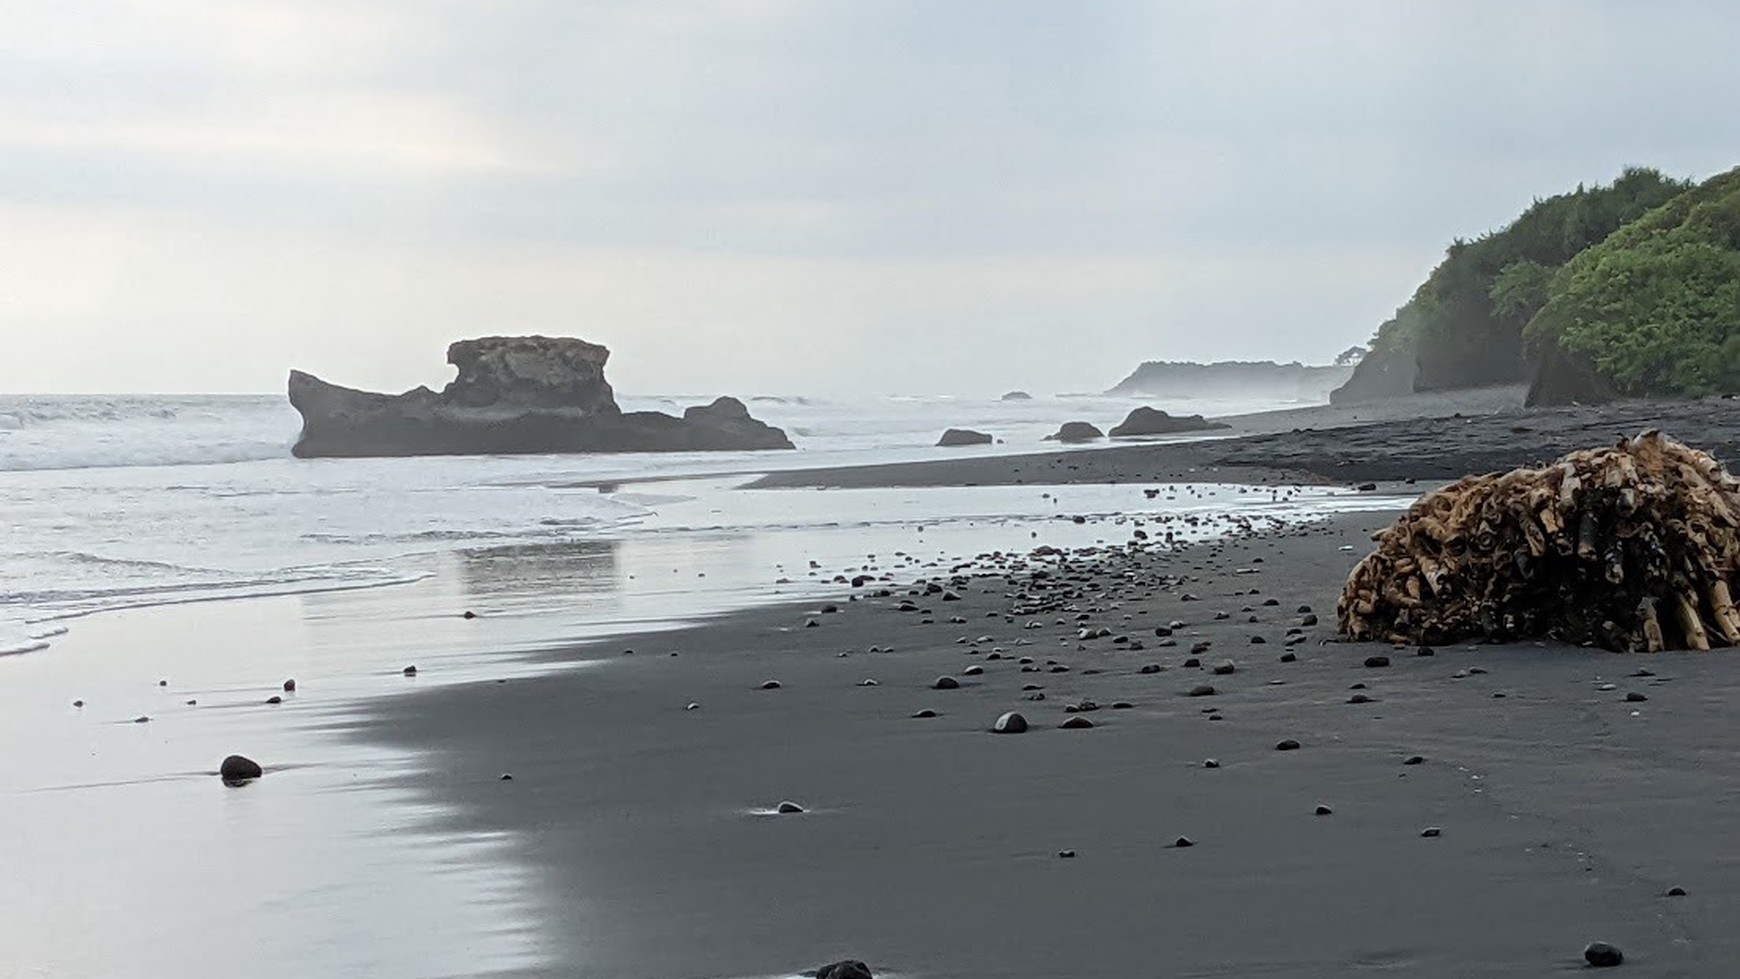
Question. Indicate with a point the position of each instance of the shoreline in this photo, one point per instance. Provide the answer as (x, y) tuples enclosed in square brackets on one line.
[(931, 848)]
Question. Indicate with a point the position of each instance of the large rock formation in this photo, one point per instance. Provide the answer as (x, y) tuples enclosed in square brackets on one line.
[(1076, 432), (513, 395), (1144, 420), (1388, 373), (956, 437), (1286, 382), (1565, 378)]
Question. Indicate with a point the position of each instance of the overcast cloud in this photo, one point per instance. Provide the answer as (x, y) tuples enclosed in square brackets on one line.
[(772, 195)]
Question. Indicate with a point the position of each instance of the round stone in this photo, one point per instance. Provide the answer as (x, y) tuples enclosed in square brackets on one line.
[(1676, 892), (1413, 760), (290, 686), (789, 808), (1602, 955), (1183, 841), (1009, 722), (1076, 723), (925, 712), (410, 671), (848, 969), (1210, 763), (1431, 832), (1376, 662), (239, 768), (945, 683), (1202, 690), (770, 685), (1359, 698), (973, 670), (1150, 668), (1287, 744), (1324, 810), (1225, 668)]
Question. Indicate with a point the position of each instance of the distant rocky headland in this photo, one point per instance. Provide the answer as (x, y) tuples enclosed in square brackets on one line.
[(513, 395), (1181, 379)]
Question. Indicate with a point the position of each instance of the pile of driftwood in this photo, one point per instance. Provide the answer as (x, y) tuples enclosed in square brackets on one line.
[(1630, 548)]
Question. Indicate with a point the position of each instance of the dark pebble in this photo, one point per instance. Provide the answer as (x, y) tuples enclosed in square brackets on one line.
[(468, 614), (1287, 745), (1076, 723), (1676, 892), (1289, 657), (1210, 763), (1150, 668), (770, 685), (410, 671), (789, 808), (847, 969), (926, 712), (1324, 810), (1066, 854), (1431, 831), (973, 671), (1602, 955), (1376, 662), (1122, 705), (274, 699), (1425, 651), (1202, 690), (1183, 841), (289, 686), (1359, 698), (1413, 760), (1258, 640), (1009, 723), (239, 768), (1225, 668), (1309, 620), (507, 777), (1635, 698), (945, 683)]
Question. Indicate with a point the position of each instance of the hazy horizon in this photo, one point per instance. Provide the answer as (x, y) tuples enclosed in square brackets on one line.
[(790, 197)]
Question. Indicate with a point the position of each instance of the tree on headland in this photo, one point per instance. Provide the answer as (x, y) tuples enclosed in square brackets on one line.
[(1655, 308), (1464, 324), (1352, 355)]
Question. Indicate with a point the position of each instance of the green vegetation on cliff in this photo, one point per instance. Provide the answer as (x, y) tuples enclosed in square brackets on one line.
[(1655, 308), (1464, 325)]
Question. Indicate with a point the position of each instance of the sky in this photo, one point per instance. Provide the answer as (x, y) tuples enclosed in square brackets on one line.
[(791, 196)]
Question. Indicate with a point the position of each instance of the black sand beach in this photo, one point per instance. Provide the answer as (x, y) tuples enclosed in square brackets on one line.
[(1434, 437), (931, 847)]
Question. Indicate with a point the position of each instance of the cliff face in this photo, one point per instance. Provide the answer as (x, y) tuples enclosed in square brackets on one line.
[(1386, 374), (513, 395)]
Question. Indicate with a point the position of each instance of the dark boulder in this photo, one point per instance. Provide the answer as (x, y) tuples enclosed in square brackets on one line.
[(513, 395), (963, 436), (848, 969), (1017, 396), (1152, 421), (237, 768), (1076, 432)]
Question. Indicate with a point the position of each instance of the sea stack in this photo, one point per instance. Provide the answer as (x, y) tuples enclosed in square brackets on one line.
[(513, 395)]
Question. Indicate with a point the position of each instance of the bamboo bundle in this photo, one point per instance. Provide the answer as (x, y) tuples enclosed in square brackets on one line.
[(1633, 548)]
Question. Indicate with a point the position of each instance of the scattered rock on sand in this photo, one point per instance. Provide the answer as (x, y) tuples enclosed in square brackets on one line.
[(789, 808), (1431, 832), (238, 768), (1602, 955), (1011, 396), (925, 712), (1635, 698), (1287, 744), (1009, 723), (1202, 690), (290, 686), (409, 671), (1076, 723), (1676, 892), (962, 436), (1413, 760), (770, 685), (1376, 662), (848, 969), (945, 683), (1324, 811), (973, 671), (1225, 668), (1066, 854), (78, 703), (1182, 842), (1210, 763)]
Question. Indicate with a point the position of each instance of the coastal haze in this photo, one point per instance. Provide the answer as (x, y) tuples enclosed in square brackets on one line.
[(770, 196), (764, 488)]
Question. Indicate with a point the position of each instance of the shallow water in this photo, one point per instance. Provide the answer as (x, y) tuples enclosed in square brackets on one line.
[(140, 862)]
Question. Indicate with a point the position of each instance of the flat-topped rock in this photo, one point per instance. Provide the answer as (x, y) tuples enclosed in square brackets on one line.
[(513, 395), (1075, 432), (963, 436)]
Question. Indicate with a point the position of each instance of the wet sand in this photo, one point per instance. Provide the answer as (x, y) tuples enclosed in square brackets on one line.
[(1435, 438), (931, 847)]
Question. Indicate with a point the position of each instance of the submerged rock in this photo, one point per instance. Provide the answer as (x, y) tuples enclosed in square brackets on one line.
[(513, 395)]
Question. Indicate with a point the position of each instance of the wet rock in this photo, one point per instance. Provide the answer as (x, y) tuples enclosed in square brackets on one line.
[(1413, 760), (1308, 621), (770, 685), (1425, 651), (1076, 723), (1431, 832), (290, 686), (1287, 744), (790, 808), (78, 703), (945, 683), (973, 671), (1009, 722), (924, 713), (409, 671), (1210, 763), (1376, 662), (847, 969), (1202, 690), (274, 699), (1289, 657), (239, 768), (468, 614), (1602, 955), (1359, 698), (1182, 842), (1258, 640), (1324, 811), (506, 777), (1225, 668), (1066, 854), (1150, 668), (1635, 698), (1676, 892)]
